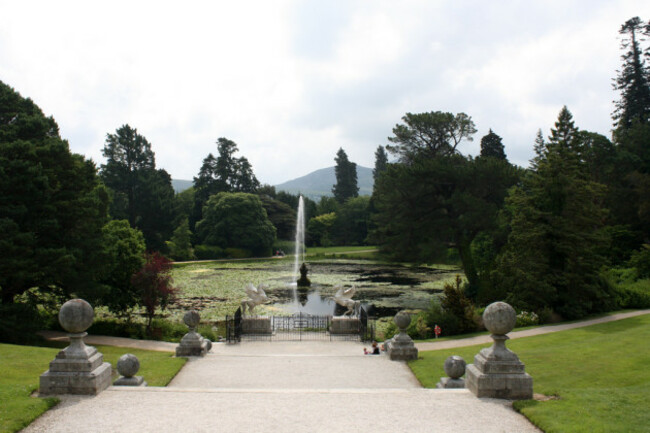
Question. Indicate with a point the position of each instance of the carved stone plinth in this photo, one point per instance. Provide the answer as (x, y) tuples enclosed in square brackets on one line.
[(192, 344), (345, 325), (77, 369), (497, 372), (455, 368), (128, 365), (401, 347), (256, 325)]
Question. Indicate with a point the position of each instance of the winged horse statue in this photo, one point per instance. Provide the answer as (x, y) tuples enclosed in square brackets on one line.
[(343, 297), (256, 296)]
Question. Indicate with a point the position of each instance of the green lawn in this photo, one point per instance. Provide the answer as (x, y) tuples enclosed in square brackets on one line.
[(600, 374), (22, 366)]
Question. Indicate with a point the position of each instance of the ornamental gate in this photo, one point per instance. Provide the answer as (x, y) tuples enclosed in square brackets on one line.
[(299, 327)]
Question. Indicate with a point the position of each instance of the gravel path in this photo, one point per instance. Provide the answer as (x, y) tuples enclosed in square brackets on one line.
[(284, 387)]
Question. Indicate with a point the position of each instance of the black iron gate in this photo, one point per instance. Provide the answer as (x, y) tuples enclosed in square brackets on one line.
[(296, 327), (234, 327)]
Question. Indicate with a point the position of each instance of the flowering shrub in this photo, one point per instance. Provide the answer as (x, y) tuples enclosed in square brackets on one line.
[(525, 318)]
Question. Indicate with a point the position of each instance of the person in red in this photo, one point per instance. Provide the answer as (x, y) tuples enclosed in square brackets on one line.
[(437, 331)]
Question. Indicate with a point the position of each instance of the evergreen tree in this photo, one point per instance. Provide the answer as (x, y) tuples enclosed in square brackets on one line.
[(52, 207), (346, 178), (430, 134), (492, 146), (142, 194), (632, 81), (381, 162), (225, 173), (127, 155), (236, 220), (180, 245), (553, 255)]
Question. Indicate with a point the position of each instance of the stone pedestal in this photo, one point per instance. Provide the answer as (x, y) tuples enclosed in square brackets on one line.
[(345, 325), (128, 365), (401, 347), (497, 372), (77, 369), (256, 325), (192, 344), (455, 368)]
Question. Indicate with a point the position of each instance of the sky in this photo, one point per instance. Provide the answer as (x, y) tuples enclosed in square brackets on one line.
[(292, 81)]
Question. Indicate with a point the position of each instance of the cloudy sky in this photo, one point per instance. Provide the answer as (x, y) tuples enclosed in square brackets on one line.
[(292, 81)]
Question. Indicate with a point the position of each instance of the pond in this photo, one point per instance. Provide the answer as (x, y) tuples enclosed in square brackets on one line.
[(217, 288)]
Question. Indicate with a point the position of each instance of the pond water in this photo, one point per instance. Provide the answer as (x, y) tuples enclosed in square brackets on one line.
[(216, 289)]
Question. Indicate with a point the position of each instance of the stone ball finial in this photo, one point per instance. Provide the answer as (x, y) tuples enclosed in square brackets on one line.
[(192, 318), (76, 315), (128, 365), (499, 318), (402, 320), (455, 366)]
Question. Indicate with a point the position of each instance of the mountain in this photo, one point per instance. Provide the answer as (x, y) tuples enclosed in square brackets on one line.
[(181, 185), (320, 182), (313, 185)]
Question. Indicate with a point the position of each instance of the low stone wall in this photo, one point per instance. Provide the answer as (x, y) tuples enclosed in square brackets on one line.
[(345, 325), (256, 325)]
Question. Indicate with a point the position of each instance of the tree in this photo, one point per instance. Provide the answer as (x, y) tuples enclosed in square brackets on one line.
[(124, 249), (492, 146), (180, 245), (154, 285), (236, 220), (127, 154), (381, 162), (282, 216), (225, 173), (632, 80), (320, 229), (351, 225), (433, 204), (553, 255), (430, 134), (142, 194), (346, 178), (52, 206)]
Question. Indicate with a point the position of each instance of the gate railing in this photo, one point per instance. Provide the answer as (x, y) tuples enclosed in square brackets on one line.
[(296, 327)]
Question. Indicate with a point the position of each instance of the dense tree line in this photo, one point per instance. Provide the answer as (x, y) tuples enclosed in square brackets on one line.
[(542, 238)]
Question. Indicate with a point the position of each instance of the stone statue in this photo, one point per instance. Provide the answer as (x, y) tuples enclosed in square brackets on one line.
[(343, 297), (303, 281), (256, 296)]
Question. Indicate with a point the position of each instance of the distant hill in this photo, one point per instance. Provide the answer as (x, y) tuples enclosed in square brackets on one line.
[(319, 183), (313, 185), (181, 185)]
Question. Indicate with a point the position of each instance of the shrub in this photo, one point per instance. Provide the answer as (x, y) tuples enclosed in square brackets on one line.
[(635, 295), (459, 305), (208, 252), (19, 323), (448, 323), (525, 318), (640, 261), (239, 253)]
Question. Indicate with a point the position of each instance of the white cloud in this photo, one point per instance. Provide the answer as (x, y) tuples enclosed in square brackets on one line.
[(292, 81)]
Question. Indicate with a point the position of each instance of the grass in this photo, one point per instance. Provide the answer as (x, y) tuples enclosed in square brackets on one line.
[(22, 366), (598, 372)]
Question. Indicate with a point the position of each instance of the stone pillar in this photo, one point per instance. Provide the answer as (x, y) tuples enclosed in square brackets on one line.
[(128, 365), (192, 344), (401, 347), (497, 372), (455, 369), (77, 369)]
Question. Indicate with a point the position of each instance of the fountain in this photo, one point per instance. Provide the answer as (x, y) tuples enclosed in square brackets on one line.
[(299, 254)]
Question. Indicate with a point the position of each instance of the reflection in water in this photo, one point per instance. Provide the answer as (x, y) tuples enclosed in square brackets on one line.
[(310, 301)]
